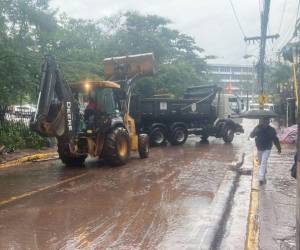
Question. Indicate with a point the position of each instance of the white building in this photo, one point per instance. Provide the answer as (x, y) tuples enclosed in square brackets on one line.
[(239, 78)]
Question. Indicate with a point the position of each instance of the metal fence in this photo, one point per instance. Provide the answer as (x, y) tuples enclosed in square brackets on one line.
[(15, 118), (16, 134)]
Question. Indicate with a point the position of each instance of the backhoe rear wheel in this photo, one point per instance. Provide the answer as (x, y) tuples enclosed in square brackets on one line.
[(117, 147), (143, 146), (70, 160)]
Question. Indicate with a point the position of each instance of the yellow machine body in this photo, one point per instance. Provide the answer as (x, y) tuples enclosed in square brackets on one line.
[(142, 64), (130, 125)]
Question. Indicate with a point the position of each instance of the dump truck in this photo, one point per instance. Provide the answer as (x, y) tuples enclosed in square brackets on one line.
[(203, 110), (92, 117)]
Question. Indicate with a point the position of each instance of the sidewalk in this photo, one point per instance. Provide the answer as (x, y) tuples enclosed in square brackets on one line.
[(277, 203)]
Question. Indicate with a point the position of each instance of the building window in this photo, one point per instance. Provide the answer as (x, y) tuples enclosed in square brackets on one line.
[(236, 69)]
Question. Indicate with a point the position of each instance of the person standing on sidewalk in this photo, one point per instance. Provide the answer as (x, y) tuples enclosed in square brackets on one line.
[(265, 136)]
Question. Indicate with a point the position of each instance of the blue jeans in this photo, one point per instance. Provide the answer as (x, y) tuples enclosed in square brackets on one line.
[(263, 157)]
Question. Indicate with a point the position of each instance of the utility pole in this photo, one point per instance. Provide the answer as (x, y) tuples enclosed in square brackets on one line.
[(262, 38), (264, 28)]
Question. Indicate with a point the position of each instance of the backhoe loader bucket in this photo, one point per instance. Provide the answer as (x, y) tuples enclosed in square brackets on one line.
[(129, 66)]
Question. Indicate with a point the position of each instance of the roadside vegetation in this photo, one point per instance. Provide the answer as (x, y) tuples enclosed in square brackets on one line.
[(29, 29), (280, 84), (16, 135)]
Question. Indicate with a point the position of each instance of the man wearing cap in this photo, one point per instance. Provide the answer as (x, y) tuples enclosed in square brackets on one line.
[(265, 136)]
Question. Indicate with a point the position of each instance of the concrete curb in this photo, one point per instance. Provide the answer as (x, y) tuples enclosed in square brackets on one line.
[(206, 238), (218, 211), (252, 239), (27, 158)]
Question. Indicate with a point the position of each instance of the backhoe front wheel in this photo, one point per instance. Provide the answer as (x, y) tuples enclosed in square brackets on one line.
[(117, 147), (143, 142)]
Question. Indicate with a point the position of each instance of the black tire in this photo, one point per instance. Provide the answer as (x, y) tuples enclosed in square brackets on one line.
[(204, 138), (157, 136), (144, 145), (70, 160), (178, 135), (228, 134), (117, 147)]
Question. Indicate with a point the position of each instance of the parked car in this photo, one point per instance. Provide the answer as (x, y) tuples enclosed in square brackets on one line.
[(256, 106)]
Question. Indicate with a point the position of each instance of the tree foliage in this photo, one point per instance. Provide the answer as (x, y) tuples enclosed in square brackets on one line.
[(29, 29), (23, 25), (277, 74)]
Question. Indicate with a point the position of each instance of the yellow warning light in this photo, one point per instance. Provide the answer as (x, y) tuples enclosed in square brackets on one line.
[(87, 86), (263, 99)]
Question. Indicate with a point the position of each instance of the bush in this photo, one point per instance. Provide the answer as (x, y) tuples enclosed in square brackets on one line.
[(16, 135)]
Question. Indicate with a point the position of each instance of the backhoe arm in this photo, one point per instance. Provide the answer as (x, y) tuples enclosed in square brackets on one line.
[(56, 109)]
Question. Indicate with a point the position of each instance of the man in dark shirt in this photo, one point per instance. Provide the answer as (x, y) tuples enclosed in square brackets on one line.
[(90, 114), (265, 136)]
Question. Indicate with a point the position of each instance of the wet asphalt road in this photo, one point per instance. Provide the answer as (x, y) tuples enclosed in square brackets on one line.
[(156, 203)]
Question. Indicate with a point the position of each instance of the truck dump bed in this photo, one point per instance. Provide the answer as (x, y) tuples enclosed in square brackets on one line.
[(194, 107)]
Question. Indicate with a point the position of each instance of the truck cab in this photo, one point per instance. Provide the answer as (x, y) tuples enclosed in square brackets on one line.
[(230, 107)]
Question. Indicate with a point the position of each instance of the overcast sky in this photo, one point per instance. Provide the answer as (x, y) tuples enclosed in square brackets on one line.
[(210, 22)]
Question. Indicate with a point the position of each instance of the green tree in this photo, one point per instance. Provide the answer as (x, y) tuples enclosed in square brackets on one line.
[(23, 24), (78, 47), (177, 55), (277, 74), (171, 79)]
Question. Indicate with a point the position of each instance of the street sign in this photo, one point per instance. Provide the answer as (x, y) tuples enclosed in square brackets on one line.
[(263, 99)]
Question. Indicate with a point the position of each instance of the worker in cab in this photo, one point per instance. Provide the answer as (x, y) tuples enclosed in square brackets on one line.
[(90, 114)]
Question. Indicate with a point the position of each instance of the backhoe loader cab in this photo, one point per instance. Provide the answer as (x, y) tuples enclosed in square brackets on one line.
[(92, 117)]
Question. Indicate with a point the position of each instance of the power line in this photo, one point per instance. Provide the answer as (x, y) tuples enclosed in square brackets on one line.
[(288, 34), (297, 14), (290, 31), (237, 18), (260, 8), (282, 15), (286, 37)]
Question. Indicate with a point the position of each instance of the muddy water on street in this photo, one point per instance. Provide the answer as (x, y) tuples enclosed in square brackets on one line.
[(157, 203)]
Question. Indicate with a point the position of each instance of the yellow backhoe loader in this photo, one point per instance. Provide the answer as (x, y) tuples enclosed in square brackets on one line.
[(92, 117)]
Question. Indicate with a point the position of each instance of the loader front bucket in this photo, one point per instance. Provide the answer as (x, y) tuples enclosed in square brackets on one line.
[(129, 66)]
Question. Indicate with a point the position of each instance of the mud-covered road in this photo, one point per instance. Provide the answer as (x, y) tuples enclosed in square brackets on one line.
[(157, 203)]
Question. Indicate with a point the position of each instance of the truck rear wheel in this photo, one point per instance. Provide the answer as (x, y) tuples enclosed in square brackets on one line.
[(157, 136), (117, 147), (143, 146), (228, 134), (178, 136)]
